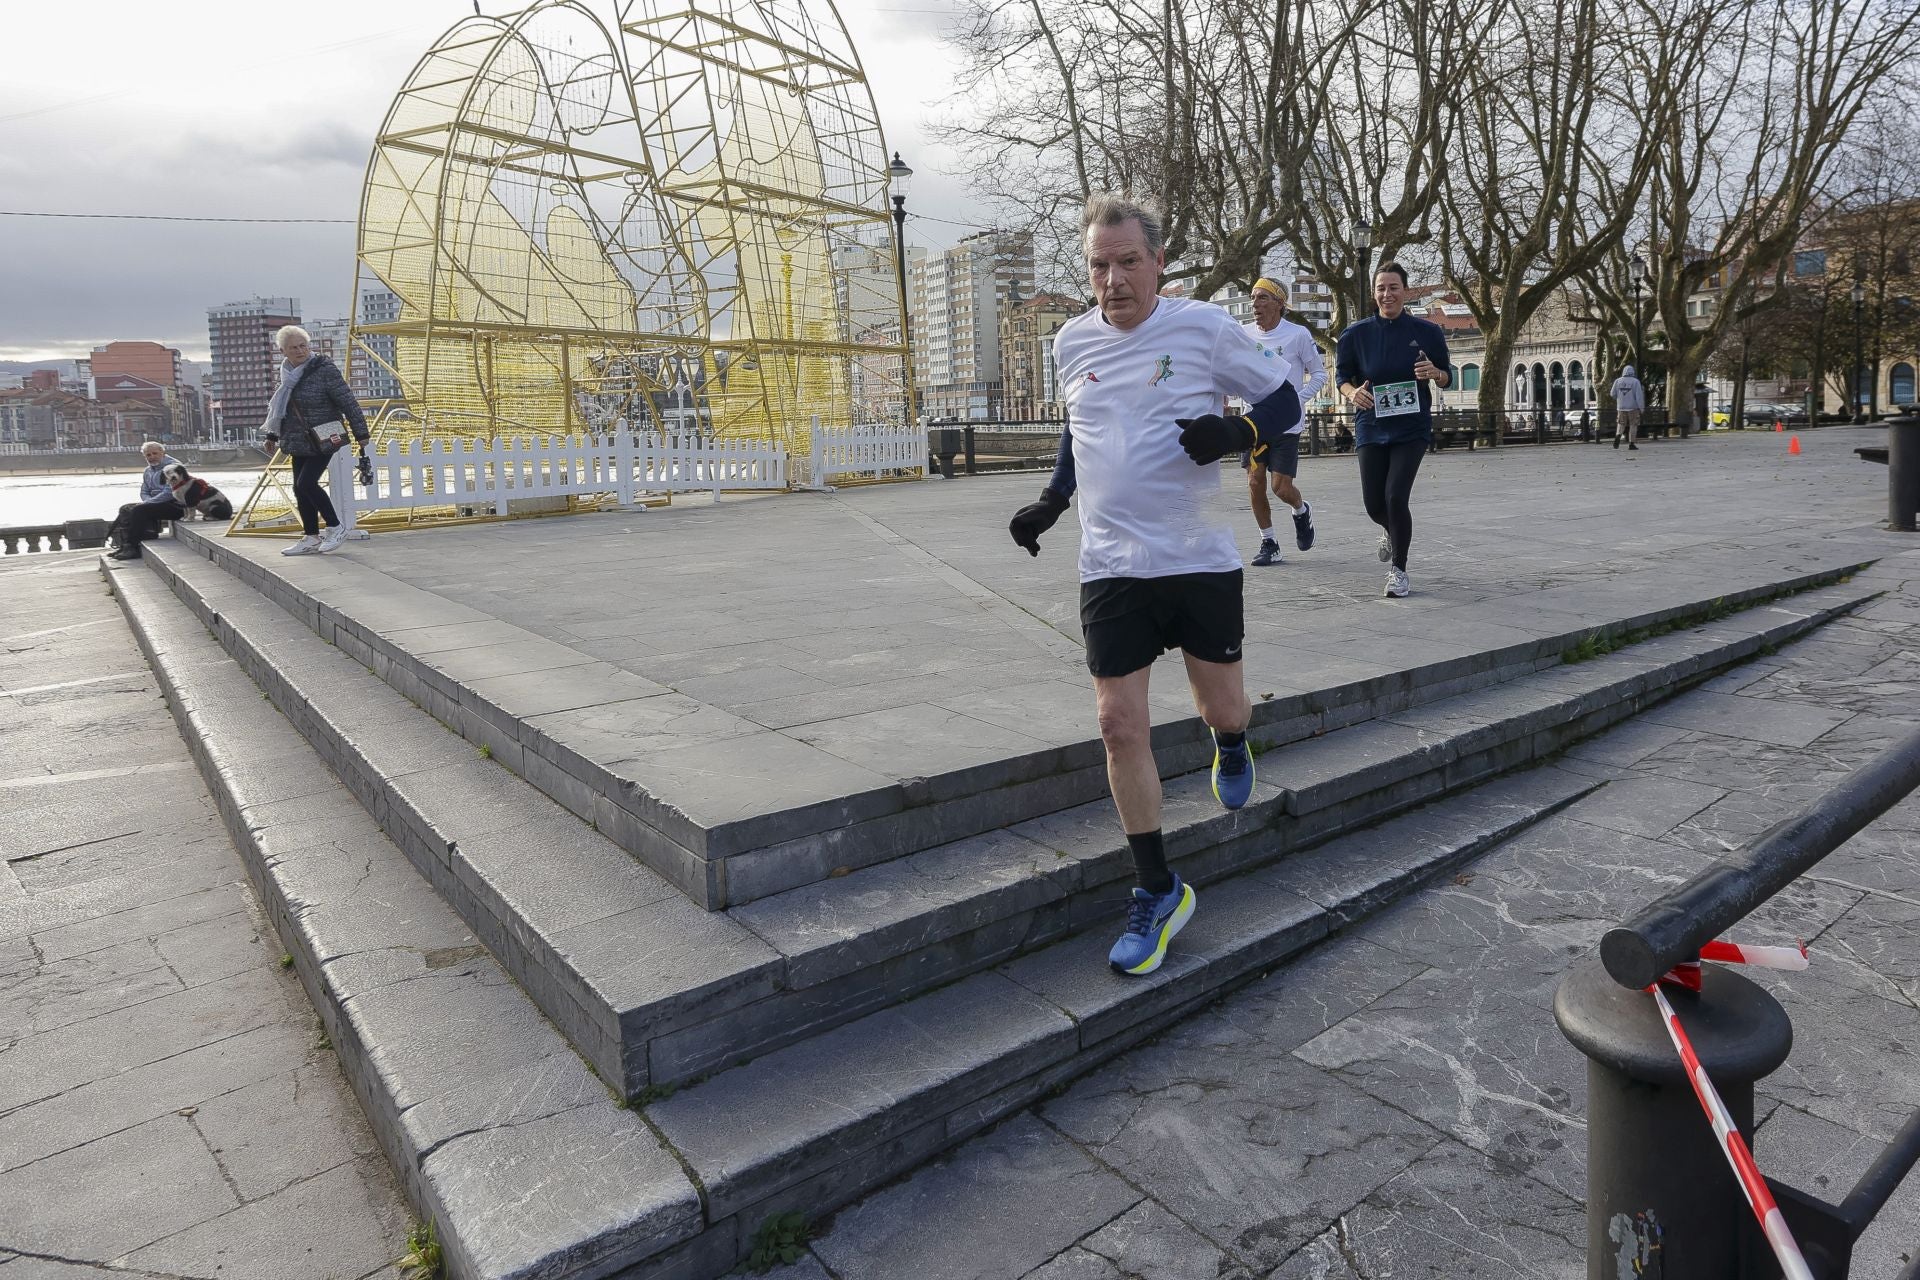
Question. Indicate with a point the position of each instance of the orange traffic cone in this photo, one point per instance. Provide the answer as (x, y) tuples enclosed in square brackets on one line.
[(1793, 446), (1777, 426)]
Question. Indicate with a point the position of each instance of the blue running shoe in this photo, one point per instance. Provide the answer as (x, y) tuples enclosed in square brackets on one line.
[(1151, 923), (1232, 773), (1303, 527)]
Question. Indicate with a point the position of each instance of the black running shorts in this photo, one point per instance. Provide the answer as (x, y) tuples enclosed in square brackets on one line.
[(1283, 455), (1129, 622)]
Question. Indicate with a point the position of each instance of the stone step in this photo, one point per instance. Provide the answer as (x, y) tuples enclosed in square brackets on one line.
[(504, 1138), (654, 991), (572, 727)]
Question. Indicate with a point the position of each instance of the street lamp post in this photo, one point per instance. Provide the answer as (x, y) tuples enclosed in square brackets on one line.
[(898, 178), (1363, 242), (1853, 379)]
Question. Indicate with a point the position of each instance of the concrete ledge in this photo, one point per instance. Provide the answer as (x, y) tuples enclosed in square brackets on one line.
[(655, 992), (753, 847), (500, 1134)]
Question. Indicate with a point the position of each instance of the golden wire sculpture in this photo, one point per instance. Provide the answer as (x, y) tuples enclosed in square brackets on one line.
[(671, 213)]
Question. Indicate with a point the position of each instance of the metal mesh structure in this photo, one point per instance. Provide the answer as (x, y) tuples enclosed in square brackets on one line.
[(772, 161), (586, 218)]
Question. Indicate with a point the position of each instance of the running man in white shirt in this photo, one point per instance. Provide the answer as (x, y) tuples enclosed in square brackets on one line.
[(1143, 377), (1281, 462)]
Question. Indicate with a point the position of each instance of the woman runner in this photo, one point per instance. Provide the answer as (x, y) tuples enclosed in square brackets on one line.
[(1386, 364)]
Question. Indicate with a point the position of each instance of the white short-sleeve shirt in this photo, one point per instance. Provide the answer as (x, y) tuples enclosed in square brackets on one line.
[(1146, 508), (1295, 342)]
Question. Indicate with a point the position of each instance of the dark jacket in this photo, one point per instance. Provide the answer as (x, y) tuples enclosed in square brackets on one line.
[(1382, 351), (320, 399)]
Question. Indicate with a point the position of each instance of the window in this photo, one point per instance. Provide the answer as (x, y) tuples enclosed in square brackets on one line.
[(1469, 377), (1900, 384), (1810, 262)]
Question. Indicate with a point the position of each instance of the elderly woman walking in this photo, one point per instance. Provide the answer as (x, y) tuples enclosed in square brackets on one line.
[(139, 521), (308, 409)]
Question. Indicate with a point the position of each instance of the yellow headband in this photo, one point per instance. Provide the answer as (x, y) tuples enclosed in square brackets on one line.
[(1270, 287)]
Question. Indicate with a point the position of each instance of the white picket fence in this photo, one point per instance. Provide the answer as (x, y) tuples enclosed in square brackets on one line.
[(865, 452), (491, 475)]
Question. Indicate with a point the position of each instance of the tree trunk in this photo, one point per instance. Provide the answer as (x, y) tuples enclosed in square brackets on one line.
[(1683, 370), (1496, 356)]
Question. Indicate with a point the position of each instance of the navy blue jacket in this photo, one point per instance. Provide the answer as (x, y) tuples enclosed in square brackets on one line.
[(320, 399), (1380, 351)]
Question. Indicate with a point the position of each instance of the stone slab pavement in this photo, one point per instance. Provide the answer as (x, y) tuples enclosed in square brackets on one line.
[(1398, 1102), (894, 631), (167, 1106)]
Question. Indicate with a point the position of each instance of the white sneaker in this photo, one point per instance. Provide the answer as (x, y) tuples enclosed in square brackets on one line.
[(333, 538), (1398, 587), (1385, 550), (307, 546)]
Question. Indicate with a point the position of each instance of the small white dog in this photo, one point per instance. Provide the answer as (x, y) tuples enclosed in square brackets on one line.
[(196, 494)]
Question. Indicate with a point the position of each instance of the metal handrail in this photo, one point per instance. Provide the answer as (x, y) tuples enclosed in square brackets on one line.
[(1671, 930)]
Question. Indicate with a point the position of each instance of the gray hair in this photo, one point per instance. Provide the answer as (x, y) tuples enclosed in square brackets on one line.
[(153, 444), (1106, 209), (286, 331)]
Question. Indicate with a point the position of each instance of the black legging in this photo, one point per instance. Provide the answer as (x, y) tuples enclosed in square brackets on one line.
[(1386, 482), (312, 500)]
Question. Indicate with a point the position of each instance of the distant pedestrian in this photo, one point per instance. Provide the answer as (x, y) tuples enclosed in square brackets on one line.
[(307, 414), (1630, 399), (1388, 365), (140, 521)]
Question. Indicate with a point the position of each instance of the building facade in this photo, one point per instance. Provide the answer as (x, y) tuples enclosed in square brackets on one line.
[(371, 378), (1031, 392), (959, 297), (241, 336)]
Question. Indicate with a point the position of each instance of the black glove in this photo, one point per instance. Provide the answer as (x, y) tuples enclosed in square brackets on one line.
[(1213, 437), (1034, 519)]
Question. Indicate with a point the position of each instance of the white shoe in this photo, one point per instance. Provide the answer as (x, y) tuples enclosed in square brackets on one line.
[(333, 538), (1385, 550), (307, 546), (1398, 587)]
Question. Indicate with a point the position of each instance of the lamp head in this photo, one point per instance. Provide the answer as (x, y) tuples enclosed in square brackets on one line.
[(1859, 291), (899, 177), (1362, 234)]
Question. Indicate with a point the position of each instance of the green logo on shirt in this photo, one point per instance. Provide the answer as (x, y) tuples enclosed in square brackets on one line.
[(1163, 372)]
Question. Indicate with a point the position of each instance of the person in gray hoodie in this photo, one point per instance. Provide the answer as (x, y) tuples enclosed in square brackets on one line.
[(139, 521), (1630, 398)]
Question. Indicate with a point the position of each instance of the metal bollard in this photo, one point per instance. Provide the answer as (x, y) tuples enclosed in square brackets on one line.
[(1661, 1203), (1903, 472)]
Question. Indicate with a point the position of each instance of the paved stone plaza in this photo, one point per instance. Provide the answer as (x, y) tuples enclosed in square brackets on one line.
[(167, 1106), (1395, 1102)]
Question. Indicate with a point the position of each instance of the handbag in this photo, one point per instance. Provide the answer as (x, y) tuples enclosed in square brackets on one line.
[(323, 445)]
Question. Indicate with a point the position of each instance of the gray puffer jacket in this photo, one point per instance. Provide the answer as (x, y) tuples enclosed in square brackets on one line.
[(320, 400)]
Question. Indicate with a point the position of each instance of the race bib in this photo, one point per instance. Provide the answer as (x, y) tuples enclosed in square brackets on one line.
[(1392, 399)]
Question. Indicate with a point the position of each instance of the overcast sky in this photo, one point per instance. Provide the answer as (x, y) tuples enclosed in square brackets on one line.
[(268, 110)]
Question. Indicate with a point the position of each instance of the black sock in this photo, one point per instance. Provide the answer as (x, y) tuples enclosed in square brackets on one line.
[(1228, 741), (1150, 863)]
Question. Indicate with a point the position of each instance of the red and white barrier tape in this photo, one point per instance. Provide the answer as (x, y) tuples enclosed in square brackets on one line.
[(1794, 957), (1792, 1264)]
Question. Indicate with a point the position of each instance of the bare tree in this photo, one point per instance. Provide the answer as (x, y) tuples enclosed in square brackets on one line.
[(1552, 158), (1747, 155)]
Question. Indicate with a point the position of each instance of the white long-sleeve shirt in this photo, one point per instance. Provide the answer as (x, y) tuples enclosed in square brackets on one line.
[(1295, 342)]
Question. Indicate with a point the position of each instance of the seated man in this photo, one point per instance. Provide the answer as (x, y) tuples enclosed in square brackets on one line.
[(141, 520)]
